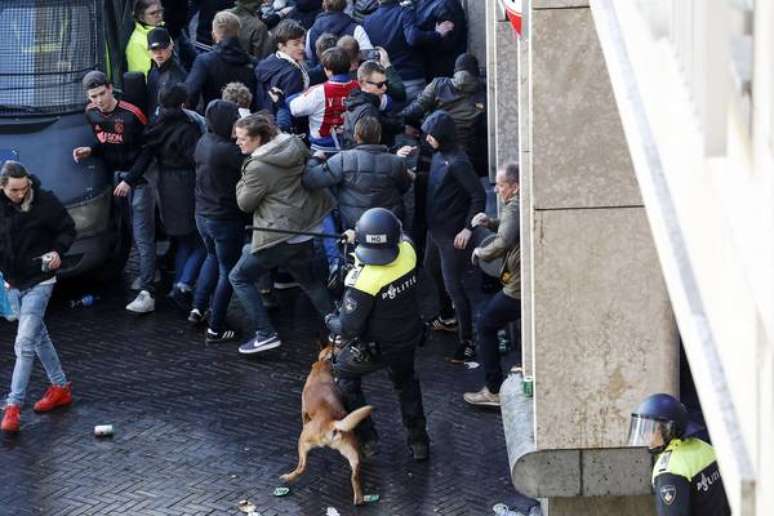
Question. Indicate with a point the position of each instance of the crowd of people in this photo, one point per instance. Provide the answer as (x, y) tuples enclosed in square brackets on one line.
[(300, 119)]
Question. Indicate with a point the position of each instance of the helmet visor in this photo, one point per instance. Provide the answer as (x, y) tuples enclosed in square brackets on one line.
[(649, 432)]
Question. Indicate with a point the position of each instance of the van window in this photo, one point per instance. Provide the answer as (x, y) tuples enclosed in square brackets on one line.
[(46, 46)]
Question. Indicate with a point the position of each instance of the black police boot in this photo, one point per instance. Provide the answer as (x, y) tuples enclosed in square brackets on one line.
[(369, 443), (419, 442), (420, 450)]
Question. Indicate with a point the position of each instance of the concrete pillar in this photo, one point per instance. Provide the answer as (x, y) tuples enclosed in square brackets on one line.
[(600, 319)]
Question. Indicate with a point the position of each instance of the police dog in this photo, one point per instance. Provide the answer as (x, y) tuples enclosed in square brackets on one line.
[(326, 422)]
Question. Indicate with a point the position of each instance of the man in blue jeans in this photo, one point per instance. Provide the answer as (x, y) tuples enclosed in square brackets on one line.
[(271, 189), (35, 232), (505, 306), (220, 221)]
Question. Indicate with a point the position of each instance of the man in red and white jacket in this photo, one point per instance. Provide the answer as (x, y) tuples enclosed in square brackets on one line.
[(324, 103)]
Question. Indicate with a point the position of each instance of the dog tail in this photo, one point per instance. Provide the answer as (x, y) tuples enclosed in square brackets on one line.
[(353, 419)]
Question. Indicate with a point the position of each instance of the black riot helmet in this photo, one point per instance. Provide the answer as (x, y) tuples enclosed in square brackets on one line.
[(657, 420), (377, 237)]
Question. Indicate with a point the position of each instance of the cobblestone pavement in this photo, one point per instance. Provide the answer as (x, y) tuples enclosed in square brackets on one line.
[(199, 428)]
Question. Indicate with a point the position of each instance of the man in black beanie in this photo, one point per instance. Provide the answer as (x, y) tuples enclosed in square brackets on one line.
[(463, 96)]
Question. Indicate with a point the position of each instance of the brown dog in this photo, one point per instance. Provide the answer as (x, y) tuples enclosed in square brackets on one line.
[(326, 422)]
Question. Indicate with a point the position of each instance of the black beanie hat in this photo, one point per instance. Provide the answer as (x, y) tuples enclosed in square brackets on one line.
[(467, 63)]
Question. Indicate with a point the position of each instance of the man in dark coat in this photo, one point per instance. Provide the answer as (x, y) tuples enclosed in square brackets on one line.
[(305, 12), (220, 221), (165, 69), (439, 60), (35, 233), (367, 176), (454, 197), (394, 28), (227, 62)]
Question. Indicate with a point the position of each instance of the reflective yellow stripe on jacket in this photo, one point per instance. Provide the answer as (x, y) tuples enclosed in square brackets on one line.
[(685, 458), (372, 278)]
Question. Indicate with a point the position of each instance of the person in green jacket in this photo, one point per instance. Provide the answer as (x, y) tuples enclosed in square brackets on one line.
[(147, 14)]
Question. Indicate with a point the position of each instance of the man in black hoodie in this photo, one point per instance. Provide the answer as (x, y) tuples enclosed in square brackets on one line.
[(35, 233), (220, 221), (227, 62), (454, 197)]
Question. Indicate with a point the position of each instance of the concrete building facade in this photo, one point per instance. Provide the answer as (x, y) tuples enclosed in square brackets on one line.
[(645, 143)]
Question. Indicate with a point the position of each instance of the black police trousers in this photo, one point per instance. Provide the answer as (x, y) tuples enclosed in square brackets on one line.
[(349, 368)]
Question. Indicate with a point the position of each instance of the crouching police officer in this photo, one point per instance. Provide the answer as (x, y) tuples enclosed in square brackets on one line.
[(686, 476), (379, 325)]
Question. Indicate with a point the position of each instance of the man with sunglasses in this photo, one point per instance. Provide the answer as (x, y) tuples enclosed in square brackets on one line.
[(370, 100)]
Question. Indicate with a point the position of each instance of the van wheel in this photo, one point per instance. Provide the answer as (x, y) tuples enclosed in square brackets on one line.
[(121, 238)]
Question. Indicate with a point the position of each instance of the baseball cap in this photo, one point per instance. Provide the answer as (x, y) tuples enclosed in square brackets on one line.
[(159, 38), (94, 79)]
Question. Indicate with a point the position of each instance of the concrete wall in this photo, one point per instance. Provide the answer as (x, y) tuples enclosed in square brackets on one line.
[(602, 331)]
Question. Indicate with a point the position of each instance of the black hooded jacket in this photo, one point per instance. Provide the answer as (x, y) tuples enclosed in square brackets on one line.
[(227, 62), (169, 140), (454, 191), (25, 235), (360, 104), (305, 12), (218, 164), (337, 23)]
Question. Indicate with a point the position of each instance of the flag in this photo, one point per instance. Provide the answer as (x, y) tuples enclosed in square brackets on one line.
[(513, 9)]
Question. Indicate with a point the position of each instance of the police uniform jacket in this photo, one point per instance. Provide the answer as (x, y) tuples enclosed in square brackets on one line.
[(687, 480), (380, 303)]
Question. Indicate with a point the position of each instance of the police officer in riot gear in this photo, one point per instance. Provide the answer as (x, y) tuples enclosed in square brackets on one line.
[(379, 325), (686, 478)]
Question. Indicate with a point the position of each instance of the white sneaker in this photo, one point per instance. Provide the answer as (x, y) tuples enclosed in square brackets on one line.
[(143, 303), (483, 397)]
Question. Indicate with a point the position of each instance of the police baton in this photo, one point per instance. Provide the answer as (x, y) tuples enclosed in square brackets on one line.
[(340, 237)]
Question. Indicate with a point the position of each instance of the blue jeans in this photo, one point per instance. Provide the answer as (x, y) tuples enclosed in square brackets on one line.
[(499, 311), (297, 259), (189, 258), (32, 339), (223, 241), (144, 232), (332, 254)]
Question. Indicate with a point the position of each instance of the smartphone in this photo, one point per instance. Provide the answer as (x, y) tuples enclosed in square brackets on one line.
[(371, 54)]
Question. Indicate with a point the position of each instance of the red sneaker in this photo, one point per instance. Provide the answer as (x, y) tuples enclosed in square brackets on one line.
[(11, 419), (55, 396)]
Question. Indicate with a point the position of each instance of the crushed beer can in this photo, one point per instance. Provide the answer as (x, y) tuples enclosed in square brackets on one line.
[(103, 430)]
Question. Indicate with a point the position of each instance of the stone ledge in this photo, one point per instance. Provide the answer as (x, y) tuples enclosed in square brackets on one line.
[(569, 472)]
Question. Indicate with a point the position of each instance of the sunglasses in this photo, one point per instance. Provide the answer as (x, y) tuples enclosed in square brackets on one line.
[(380, 84)]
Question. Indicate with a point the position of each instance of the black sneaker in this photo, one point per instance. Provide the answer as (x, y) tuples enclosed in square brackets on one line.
[(438, 323), (369, 448), (420, 450), (465, 352), (181, 299), (215, 337)]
